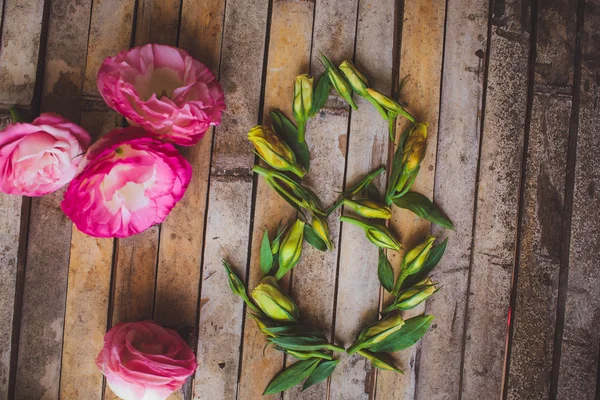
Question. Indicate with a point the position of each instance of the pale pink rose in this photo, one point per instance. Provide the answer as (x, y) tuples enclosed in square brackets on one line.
[(126, 183), (164, 90), (144, 361), (41, 157)]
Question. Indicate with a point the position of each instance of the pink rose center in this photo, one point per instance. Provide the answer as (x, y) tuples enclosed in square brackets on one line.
[(160, 81)]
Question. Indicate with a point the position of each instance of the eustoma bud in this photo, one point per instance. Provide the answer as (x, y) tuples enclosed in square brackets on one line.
[(380, 360), (412, 296), (376, 333), (413, 261), (369, 208), (356, 79), (412, 155), (303, 94), (389, 104), (377, 234), (338, 81), (321, 228), (273, 150), (273, 302), (291, 248)]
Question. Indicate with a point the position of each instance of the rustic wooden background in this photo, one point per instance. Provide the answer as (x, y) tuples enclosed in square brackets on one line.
[(510, 89)]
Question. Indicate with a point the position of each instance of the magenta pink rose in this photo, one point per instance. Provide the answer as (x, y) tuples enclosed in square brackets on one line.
[(41, 157), (144, 361), (164, 90), (126, 183)]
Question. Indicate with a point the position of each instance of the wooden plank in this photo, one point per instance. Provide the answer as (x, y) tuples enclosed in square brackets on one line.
[(579, 361), (10, 215), (421, 60), (367, 150), (230, 198), (157, 21), (534, 315), (289, 54), (49, 237), (457, 157), (19, 50), (497, 201), (313, 280)]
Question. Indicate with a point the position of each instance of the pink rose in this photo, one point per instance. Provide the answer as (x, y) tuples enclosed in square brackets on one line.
[(41, 157), (126, 183), (164, 90), (144, 361)]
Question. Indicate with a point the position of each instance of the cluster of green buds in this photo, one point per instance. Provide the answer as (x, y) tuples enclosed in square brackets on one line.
[(412, 296), (303, 102), (378, 234), (274, 151)]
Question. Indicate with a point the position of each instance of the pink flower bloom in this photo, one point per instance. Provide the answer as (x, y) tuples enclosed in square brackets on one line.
[(164, 90), (144, 361), (126, 183), (41, 157)]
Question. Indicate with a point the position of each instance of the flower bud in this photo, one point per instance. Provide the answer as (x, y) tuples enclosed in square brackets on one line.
[(302, 105), (290, 249), (369, 208), (273, 302), (357, 80), (380, 360), (305, 355), (413, 260), (376, 332), (337, 80), (415, 146), (412, 296), (321, 228), (377, 234), (389, 104), (273, 150)]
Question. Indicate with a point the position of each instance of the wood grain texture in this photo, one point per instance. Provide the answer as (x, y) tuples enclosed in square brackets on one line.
[(10, 215), (313, 279), (49, 237), (230, 198), (579, 363), (497, 201), (19, 50), (157, 21), (288, 56), (421, 60), (457, 158), (367, 150), (534, 321), (182, 234)]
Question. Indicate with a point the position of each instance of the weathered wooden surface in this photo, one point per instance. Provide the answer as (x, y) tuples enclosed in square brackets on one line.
[(527, 229)]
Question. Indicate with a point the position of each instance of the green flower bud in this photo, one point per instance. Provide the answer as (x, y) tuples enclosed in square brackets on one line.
[(356, 79), (337, 80), (369, 208), (273, 302), (302, 105), (412, 296), (415, 146), (377, 234), (376, 332), (413, 260), (274, 151), (290, 249), (389, 104), (321, 228), (380, 360), (305, 355)]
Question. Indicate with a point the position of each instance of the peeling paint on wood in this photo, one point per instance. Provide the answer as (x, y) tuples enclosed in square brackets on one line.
[(289, 54), (497, 201), (421, 60), (457, 158), (367, 150)]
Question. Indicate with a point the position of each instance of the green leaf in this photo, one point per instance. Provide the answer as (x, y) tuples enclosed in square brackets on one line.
[(385, 272), (292, 376), (237, 287), (288, 131), (295, 330), (266, 256), (434, 257), (410, 333), (320, 95), (313, 239), (275, 242), (424, 208), (322, 372), (304, 343), (372, 193)]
